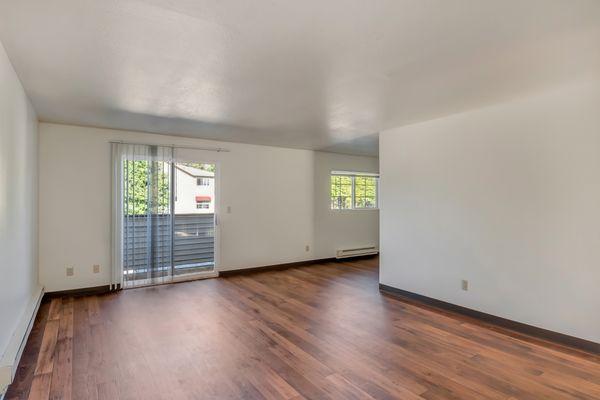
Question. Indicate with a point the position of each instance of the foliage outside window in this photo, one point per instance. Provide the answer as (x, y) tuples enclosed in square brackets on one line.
[(204, 167), (353, 191), (136, 196), (341, 192)]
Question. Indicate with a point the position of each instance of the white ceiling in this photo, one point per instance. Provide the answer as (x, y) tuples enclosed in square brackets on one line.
[(317, 74)]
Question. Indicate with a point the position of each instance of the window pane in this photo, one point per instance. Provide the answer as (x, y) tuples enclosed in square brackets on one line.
[(365, 192), (360, 202), (341, 192), (135, 196)]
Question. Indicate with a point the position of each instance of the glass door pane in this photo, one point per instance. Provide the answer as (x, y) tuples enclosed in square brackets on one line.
[(194, 218), (147, 219)]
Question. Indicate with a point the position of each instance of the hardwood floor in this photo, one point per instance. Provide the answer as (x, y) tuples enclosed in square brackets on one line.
[(314, 332)]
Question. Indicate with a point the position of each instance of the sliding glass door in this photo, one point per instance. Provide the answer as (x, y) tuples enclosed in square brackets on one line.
[(164, 219)]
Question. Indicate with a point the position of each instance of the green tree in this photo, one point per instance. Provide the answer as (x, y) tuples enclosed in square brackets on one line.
[(365, 192), (136, 176), (204, 167), (341, 192)]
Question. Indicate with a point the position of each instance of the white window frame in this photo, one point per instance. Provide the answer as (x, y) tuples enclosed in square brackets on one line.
[(354, 175)]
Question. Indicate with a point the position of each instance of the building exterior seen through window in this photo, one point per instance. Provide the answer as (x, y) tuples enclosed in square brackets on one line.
[(194, 188)]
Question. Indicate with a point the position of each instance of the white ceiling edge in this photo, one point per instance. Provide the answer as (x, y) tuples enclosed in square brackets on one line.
[(217, 142)]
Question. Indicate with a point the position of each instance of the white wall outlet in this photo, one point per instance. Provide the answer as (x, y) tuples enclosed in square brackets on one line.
[(307, 248), (96, 268), (465, 285), (70, 271)]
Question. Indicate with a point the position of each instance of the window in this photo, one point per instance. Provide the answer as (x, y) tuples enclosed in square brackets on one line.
[(365, 192), (353, 190), (341, 192), (203, 204), (202, 181)]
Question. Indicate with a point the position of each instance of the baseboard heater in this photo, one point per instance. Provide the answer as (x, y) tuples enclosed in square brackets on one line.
[(355, 252), (9, 361)]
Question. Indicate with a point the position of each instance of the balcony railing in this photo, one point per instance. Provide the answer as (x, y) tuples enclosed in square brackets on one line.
[(193, 244)]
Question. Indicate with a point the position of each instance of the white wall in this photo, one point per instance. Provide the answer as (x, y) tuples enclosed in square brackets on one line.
[(18, 202), (337, 229), (271, 192), (507, 197)]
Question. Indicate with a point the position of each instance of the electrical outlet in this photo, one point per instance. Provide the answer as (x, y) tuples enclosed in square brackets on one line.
[(307, 248), (70, 271), (465, 285), (96, 268)]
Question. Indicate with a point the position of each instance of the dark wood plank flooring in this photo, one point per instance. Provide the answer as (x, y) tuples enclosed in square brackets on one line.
[(315, 332)]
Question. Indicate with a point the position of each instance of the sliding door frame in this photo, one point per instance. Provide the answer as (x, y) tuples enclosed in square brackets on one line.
[(217, 217), (216, 221), (118, 210), (172, 211)]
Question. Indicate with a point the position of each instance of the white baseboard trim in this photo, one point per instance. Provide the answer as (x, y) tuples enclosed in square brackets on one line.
[(11, 357)]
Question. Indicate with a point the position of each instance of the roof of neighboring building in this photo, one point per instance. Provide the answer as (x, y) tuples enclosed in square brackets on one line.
[(195, 172)]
